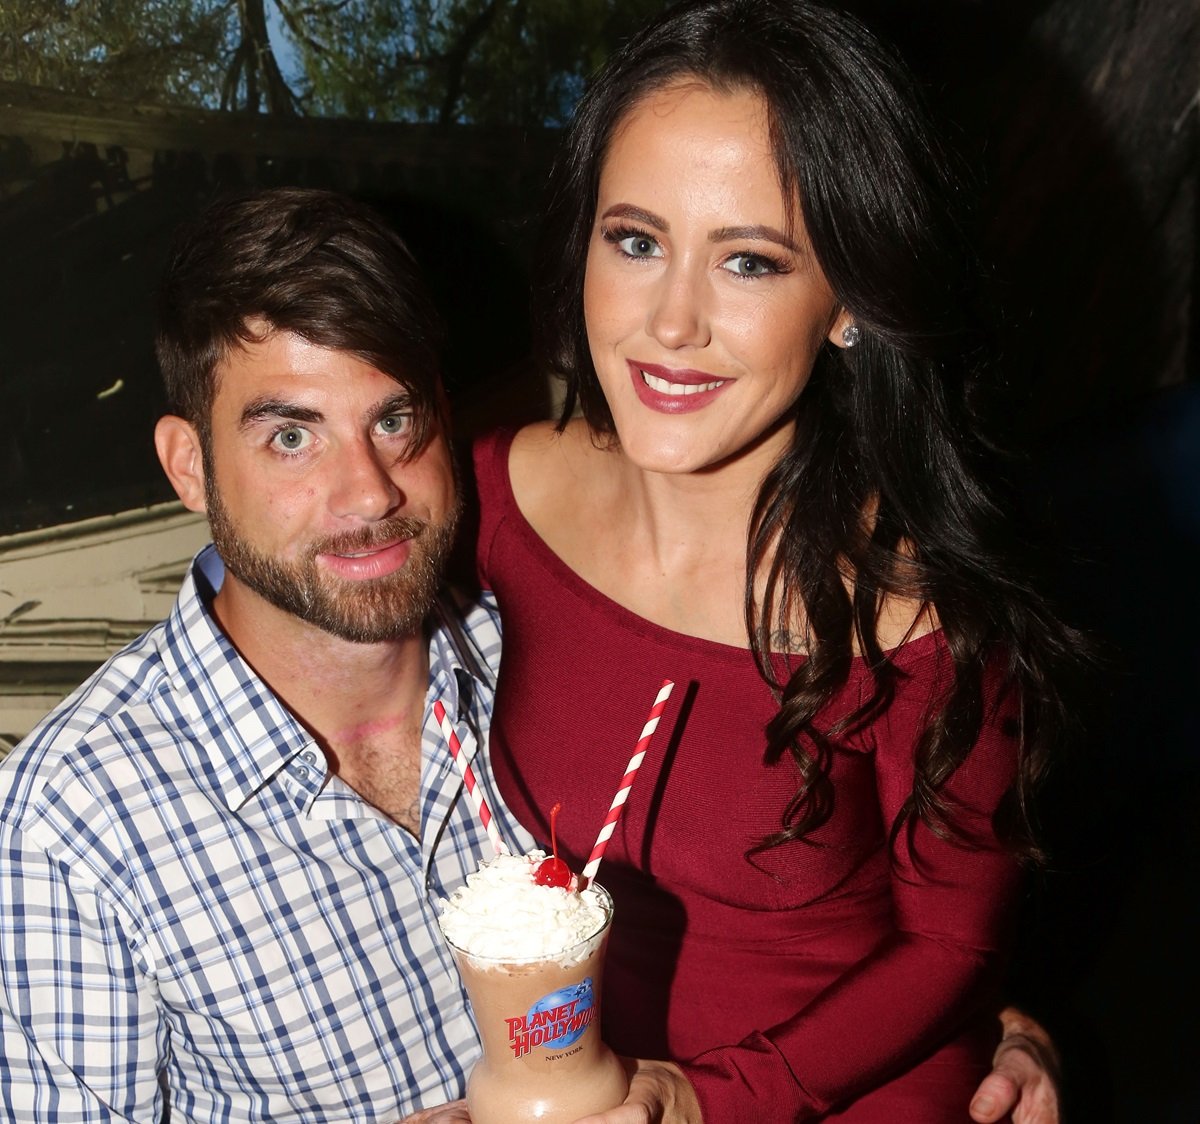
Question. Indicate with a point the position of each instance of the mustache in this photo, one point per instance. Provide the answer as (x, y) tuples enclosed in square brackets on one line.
[(369, 538)]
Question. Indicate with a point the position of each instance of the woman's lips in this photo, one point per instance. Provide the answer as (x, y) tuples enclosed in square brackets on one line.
[(366, 564), (673, 391)]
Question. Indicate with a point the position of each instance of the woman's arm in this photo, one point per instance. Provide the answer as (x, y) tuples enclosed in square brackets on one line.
[(952, 906), (1023, 1081)]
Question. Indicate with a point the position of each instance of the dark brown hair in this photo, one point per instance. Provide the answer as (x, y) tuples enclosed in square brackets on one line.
[(311, 262)]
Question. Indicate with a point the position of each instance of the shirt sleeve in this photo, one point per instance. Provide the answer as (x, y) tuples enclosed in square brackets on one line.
[(952, 908), (80, 1031)]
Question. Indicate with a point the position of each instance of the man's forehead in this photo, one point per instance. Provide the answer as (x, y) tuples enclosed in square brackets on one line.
[(288, 359)]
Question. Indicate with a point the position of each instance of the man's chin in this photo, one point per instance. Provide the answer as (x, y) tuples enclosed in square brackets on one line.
[(387, 626), (363, 612), (360, 609)]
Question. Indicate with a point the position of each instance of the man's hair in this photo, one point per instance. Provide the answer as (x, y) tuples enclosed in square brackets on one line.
[(311, 262)]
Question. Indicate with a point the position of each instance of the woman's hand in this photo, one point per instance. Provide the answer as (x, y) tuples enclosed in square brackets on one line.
[(658, 1094), (1024, 1078)]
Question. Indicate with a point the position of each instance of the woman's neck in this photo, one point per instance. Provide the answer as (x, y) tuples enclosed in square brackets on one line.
[(670, 547)]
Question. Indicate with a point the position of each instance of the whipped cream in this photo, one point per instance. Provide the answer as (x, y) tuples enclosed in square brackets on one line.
[(502, 914)]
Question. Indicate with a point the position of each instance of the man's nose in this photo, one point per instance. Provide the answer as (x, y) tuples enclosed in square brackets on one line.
[(362, 485)]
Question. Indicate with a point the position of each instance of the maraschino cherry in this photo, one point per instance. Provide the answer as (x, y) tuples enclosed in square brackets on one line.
[(553, 871)]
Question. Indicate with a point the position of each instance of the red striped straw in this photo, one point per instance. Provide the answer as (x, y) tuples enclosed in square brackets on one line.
[(618, 804), (468, 776)]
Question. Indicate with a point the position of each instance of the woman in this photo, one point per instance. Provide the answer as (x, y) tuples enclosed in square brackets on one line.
[(760, 299)]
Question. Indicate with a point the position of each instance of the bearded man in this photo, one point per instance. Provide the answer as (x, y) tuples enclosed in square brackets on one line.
[(223, 854)]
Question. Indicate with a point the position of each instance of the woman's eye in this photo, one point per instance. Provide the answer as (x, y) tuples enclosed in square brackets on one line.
[(750, 265), (293, 439), (395, 424), (640, 246)]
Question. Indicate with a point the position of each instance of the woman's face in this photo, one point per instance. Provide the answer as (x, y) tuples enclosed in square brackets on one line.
[(705, 307)]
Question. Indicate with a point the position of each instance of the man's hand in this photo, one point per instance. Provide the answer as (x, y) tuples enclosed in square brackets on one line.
[(658, 1094), (453, 1113), (1025, 1075)]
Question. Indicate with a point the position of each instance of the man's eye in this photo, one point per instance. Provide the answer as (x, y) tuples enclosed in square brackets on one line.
[(395, 424), (292, 439)]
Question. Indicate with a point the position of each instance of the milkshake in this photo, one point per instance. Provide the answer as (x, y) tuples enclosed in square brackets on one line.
[(531, 958)]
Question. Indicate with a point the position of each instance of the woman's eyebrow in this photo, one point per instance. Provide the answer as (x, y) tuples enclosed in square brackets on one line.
[(638, 214), (758, 232)]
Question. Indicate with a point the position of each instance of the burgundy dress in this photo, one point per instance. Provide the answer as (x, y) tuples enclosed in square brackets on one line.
[(810, 979)]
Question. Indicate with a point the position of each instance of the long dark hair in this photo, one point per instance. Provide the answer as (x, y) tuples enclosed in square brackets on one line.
[(884, 477)]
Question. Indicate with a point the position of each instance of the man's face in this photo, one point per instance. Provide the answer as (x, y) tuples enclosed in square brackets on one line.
[(317, 501)]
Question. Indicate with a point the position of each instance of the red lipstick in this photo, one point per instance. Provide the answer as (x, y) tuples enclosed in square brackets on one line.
[(674, 390)]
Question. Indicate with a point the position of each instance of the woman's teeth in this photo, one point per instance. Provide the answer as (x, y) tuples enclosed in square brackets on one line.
[(662, 386)]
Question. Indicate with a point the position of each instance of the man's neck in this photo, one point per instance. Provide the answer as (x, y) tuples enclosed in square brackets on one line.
[(362, 703)]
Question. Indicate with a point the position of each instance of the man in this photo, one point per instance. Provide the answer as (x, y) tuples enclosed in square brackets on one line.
[(222, 855)]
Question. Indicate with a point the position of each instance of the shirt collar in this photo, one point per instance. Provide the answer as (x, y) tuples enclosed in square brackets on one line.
[(247, 732)]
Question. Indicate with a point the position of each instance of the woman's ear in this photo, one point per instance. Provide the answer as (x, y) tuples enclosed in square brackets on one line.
[(844, 332), (181, 457)]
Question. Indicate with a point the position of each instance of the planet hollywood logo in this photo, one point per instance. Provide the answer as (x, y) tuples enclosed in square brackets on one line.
[(555, 1021)]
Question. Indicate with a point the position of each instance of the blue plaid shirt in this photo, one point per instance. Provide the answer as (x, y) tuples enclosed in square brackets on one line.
[(193, 907)]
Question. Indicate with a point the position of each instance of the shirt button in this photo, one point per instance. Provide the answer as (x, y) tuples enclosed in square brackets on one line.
[(309, 756)]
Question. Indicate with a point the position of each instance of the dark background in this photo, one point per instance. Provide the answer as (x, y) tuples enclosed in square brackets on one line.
[(1082, 118)]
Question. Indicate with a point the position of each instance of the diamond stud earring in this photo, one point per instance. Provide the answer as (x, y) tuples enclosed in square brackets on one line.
[(851, 335)]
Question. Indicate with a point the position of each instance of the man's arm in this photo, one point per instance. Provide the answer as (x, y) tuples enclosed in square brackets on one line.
[(80, 1033), (1026, 1073)]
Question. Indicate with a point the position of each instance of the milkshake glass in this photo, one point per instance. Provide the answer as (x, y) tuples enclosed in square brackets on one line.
[(539, 1021)]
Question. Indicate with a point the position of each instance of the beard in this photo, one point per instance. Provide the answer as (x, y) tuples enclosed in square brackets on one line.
[(365, 612)]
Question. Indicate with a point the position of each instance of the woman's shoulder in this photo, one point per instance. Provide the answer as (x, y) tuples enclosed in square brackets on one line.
[(543, 441), (507, 455), (563, 483), (900, 618), (552, 466), (904, 620), (534, 441)]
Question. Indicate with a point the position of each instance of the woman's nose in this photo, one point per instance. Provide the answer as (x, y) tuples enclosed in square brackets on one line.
[(679, 316)]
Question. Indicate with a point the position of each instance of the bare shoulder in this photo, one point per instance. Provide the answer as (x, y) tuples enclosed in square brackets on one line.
[(902, 619), (552, 472), (541, 440), (534, 439)]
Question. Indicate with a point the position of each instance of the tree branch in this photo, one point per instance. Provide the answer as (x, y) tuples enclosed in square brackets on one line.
[(456, 58)]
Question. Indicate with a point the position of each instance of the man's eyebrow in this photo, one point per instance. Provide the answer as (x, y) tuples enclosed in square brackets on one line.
[(758, 233), (260, 409), (638, 214), (401, 403)]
